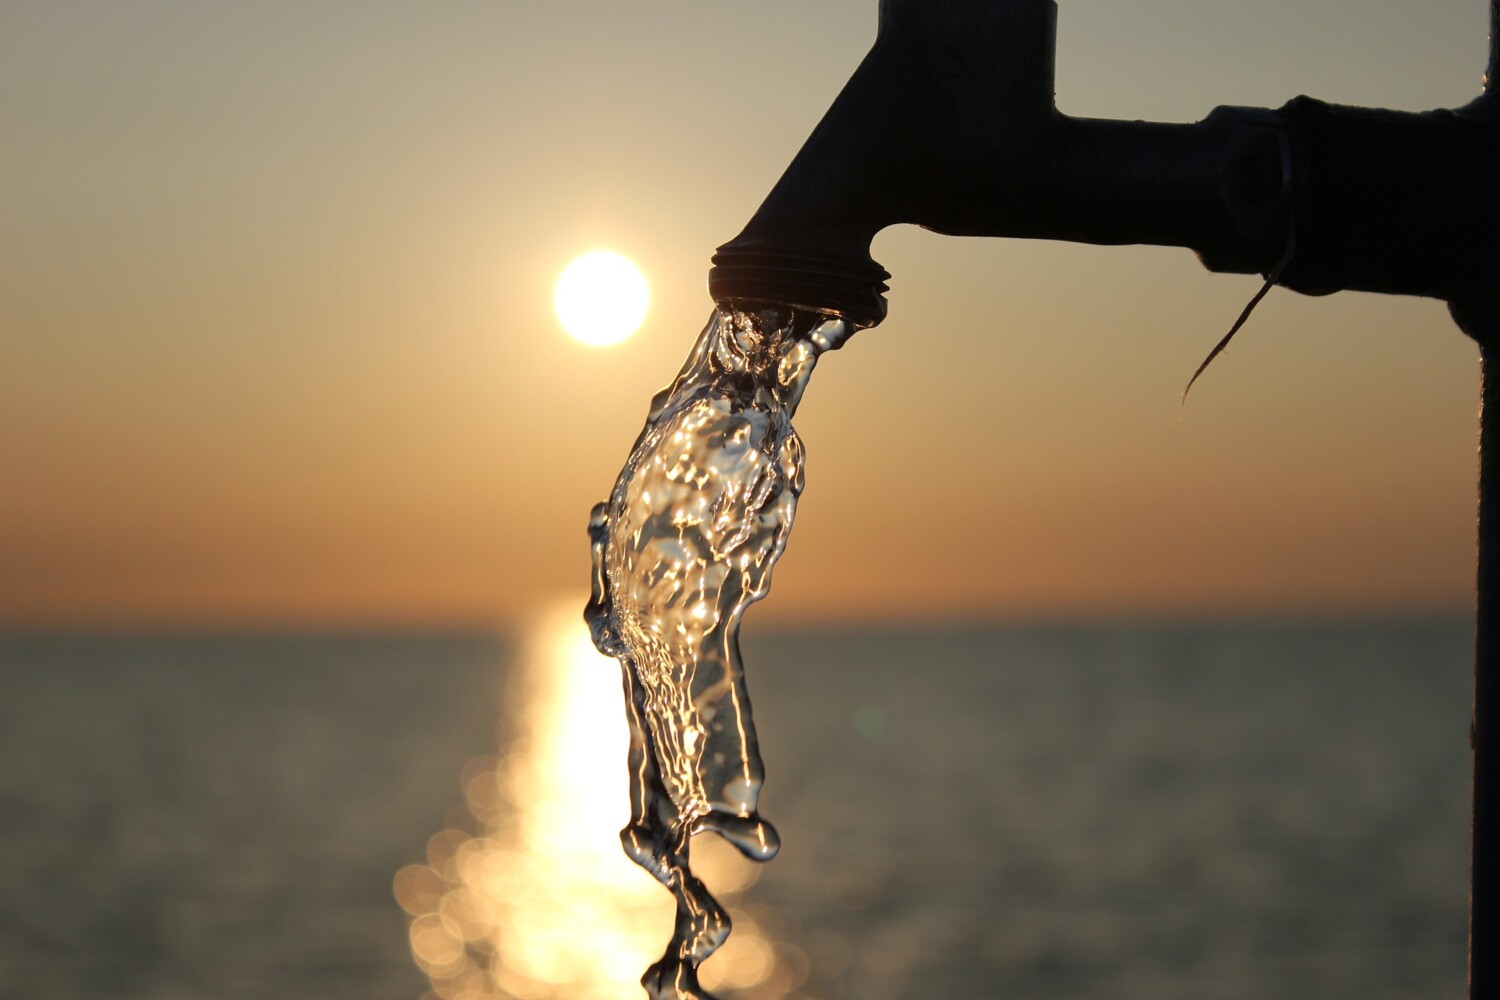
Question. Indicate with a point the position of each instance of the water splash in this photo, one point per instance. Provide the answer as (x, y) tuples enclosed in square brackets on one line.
[(683, 546)]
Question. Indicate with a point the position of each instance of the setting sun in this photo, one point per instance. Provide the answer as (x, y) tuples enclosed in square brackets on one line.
[(601, 298)]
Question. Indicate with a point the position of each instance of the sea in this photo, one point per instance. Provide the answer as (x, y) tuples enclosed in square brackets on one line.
[(1222, 810)]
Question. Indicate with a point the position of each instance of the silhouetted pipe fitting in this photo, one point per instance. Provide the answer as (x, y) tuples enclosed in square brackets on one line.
[(1221, 187), (1393, 201)]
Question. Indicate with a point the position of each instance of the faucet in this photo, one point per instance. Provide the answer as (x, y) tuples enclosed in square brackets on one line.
[(950, 123)]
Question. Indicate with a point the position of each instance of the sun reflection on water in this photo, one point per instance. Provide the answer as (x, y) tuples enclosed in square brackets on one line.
[(537, 901)]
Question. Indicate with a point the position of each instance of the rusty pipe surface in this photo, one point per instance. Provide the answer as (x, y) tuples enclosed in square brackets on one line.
[(950, 123)]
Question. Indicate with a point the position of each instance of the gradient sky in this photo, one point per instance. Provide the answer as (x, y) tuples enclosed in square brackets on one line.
[(276, 339)]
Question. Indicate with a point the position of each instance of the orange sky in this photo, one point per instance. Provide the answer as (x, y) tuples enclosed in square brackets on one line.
[(276, 342)]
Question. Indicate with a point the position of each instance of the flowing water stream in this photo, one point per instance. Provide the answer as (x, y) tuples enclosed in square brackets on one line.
[(685, 543)]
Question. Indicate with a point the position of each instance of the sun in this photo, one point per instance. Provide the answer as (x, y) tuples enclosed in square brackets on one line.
[(601, 298)]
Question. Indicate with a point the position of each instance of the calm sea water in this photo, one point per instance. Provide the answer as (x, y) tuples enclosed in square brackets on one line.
[(1162, 811)]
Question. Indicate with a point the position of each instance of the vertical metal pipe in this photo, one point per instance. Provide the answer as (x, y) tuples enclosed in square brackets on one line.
[(1479, 316), (1484, 898)]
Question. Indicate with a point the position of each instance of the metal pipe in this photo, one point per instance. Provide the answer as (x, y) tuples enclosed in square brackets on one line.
[(1220, 187), (1477, 312), (1484, 896)]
